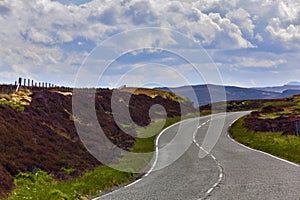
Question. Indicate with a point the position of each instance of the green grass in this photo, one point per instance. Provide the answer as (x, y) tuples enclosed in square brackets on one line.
[(274, 115), (40, 185), (69, 170), (279, 103), (15, 105), (284, 146)]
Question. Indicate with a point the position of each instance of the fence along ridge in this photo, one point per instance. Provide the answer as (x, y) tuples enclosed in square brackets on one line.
[(30, 83)]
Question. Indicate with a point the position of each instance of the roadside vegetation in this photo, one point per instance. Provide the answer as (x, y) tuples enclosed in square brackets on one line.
[(40, 185), (275, 143), (271, 128)]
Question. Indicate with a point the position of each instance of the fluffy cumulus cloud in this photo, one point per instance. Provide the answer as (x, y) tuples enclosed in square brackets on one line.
[(243, 20), (288, 35), (45, 38)]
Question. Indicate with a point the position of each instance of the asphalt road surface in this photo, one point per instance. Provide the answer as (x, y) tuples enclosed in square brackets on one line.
[(228, 171)]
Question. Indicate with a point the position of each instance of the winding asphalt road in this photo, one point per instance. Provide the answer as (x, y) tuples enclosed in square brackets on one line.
[(229, 171)]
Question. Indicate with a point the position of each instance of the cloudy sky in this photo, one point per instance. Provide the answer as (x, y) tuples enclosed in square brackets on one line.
[(250, 42)]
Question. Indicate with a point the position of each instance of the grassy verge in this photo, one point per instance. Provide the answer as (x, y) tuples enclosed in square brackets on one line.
[(284, 146), (40, 185)]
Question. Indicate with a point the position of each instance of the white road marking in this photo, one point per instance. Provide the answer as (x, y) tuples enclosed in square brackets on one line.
[(213, 157), (132, 183), (258, 151), (262, 152), (210, 190), (156, 146), (221, 173), (152, 167)]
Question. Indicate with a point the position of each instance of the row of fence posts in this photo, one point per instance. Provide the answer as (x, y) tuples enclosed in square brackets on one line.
[(31, 83), (23, 82)]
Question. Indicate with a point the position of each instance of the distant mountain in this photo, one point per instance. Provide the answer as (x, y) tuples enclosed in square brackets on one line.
[(288, 93), (294, 83), (200, 94), (289, 86)]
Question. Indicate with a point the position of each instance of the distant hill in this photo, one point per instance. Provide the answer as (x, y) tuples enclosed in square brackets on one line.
[(294, 83), (289, 86), (200, 95)]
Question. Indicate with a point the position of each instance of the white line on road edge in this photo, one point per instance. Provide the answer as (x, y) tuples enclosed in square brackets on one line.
[(221, 174), (135, 182), (152, 167), (156, 146), (255, 150)]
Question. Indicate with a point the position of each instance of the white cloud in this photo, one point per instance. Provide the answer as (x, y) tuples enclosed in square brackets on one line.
[(242, 18), (46, 34), (288, 36), (254, 62), (259, 38), (289, 10), (40, 36), (235, 39), (144, 74)]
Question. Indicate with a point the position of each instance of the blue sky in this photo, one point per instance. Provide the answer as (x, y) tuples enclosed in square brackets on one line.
[(251, 42)]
